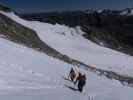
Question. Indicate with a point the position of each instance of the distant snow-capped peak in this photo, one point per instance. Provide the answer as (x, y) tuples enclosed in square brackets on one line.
[(127, 12)]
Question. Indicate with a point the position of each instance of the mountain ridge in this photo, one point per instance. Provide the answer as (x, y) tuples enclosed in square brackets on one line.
[(108, 27)]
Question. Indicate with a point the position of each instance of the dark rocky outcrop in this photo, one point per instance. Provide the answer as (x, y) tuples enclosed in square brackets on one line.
[(5, 9)]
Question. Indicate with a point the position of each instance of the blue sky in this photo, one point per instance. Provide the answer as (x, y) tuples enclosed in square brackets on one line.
[(61, 5)]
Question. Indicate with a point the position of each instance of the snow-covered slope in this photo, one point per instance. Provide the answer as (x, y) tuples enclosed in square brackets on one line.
[(69, 41), (29, 75)]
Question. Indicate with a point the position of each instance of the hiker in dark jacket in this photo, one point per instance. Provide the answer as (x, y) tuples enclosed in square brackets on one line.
[(81, 79), (72, 75), (77, 79)]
